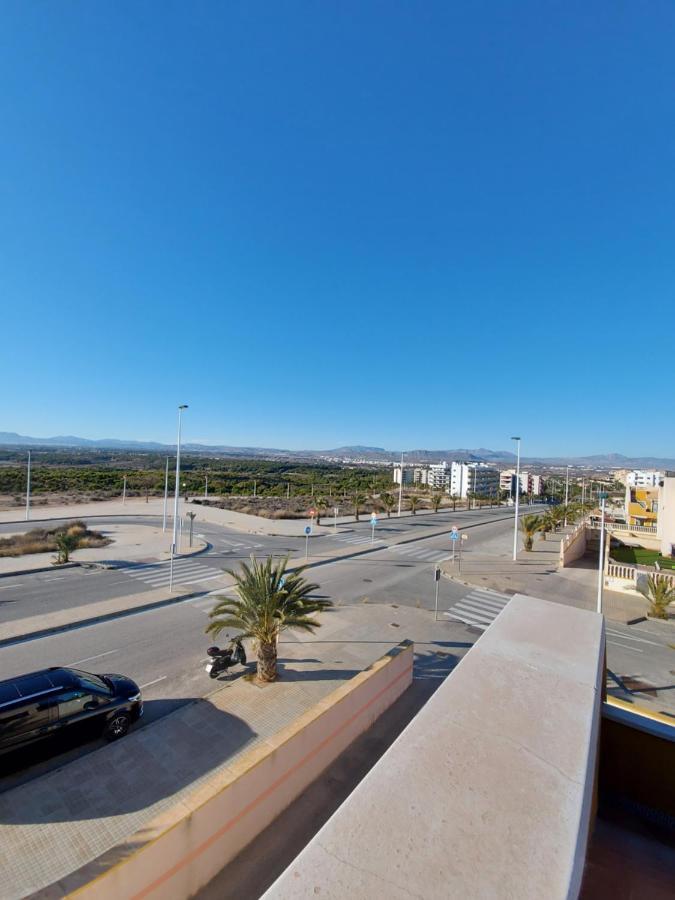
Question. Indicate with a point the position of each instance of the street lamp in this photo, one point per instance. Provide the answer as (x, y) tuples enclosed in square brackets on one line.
[(175, 498), (166, 493), (28, 488), (400, 488), (567, 491), (601, 555), (515, 524)]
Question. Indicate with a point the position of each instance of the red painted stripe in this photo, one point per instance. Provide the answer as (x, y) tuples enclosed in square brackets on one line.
[(266, 793)]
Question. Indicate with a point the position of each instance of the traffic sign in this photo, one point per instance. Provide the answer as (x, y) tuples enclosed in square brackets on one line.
[(308, 530), (312, 512), (454, 529), (454, 536), (373, 519), (465, 537)]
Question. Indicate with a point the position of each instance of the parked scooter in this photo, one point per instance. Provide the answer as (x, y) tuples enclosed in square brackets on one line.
[(222, 660)]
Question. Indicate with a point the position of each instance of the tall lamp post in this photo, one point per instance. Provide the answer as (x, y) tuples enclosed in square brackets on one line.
[(166, 493), (400, 488), (515, 524), (175, 498), (601, 555), (28, 489), (567, 491)]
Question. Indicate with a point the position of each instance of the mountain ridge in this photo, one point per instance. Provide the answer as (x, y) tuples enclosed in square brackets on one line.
[(347, 453)]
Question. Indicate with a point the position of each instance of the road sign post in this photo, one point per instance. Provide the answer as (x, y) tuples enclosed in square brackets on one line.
[(437, 578), (336, 510), (308, 531), (454, 537), (373, 523)]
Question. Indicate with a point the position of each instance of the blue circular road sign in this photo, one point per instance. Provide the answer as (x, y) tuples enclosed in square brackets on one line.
[(308, 529)]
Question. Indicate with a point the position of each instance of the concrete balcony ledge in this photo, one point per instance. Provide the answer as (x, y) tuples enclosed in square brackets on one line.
[(489, 790)]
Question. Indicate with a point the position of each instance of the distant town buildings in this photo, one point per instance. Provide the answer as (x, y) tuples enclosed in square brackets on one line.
[(529, 483), (643, 478), (456, 478)]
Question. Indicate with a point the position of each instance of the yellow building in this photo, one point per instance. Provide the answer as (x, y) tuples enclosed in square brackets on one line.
[(642, 506)]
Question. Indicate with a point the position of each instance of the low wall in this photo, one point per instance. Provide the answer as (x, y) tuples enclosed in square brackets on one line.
[(178, 853), (489, 791), (573, 546)]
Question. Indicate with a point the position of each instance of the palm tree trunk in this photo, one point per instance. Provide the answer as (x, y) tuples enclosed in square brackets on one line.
[(267, 662)]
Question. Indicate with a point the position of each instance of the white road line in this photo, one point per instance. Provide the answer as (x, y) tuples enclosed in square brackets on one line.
[(483, 603), (626, 647), (630, 637), (53, 578), (476, 610), (156, 681), (207, 578), (468, 620), (88, 658), (6, 587), (491, 594)]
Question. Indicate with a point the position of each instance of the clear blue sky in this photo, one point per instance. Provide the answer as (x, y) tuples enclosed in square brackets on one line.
[(280, 213)]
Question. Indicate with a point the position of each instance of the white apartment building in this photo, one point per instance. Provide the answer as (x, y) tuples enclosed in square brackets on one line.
[(529, 482), (408, 474), (438, 477), (644, 478), (473, 478)]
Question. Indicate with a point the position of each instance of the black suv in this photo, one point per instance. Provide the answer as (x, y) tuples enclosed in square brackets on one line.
[(48, 702)]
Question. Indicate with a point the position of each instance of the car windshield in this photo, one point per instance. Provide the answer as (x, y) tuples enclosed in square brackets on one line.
[(93, 682)]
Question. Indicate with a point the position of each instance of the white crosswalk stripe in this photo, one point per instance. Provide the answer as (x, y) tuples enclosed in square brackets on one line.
[(420, 554), (185, 571), (365, 539), (479, 608)]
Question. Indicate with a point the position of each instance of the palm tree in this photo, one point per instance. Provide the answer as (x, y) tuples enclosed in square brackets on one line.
[(320, 503), (269, 601), (66, 542), (454, 499), (530, 526), (436, 501), (546, 524), (388, 502), (660, 595), (414, 502), (358, 500)]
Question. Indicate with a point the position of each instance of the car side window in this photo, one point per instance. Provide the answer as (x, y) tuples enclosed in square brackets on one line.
[(71, 701)]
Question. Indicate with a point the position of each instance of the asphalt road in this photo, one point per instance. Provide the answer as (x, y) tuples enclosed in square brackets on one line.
[(23, 596), (164, 649)]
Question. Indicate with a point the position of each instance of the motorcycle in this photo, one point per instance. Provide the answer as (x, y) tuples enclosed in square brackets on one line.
[(222, 660)]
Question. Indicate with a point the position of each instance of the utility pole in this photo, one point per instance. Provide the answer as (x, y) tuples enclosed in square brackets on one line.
[(166, 494), (515, 524), (175, 498), (124, 491), (400, 488), (28, 488)]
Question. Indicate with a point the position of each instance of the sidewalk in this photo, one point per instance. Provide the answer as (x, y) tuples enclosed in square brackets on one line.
[(59, 822), (131, 543), (90, 613), (536, 573)]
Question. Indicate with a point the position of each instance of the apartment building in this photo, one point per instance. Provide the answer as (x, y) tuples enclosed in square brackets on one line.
[(665, 525), (529, 482), (642, 505), (408, 474), (473, 478)]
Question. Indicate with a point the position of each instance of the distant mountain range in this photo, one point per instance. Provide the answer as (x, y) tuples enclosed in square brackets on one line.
[(343, 454)]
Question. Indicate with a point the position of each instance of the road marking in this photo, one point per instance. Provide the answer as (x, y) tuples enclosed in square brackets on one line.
[(156, 681), (53, 578), (88, 658), (630, 637), (6, 587), (626, 647)]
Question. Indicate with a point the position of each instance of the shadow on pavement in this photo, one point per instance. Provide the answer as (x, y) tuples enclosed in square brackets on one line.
[(147, 766)]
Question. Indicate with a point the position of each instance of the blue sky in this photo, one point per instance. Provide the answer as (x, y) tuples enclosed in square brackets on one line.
[(402, 224)]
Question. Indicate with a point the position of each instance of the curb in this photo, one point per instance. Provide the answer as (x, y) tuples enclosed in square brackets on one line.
[(68, 565), (156, 604), (95, 620)]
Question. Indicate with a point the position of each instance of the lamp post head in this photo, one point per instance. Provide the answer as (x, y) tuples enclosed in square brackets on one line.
[(515, 438), (183, 406)]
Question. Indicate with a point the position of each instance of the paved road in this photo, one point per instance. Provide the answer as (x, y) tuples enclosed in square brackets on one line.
[(164, 649), (22, 596)]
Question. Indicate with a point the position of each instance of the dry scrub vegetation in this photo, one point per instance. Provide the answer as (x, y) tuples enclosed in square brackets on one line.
[(43, 540)]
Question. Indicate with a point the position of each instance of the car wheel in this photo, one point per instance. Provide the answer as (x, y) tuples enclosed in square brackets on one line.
[(117, 727)]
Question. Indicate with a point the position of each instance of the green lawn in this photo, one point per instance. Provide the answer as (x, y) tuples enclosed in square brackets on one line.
[(640, 556)]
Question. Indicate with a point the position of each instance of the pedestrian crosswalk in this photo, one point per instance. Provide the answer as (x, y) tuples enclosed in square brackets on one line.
[(185, 571), (238, 545), (358, 539), (419, 554), (479, 608)]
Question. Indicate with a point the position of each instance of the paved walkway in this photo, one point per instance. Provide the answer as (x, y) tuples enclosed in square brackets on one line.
[(55, 824), (536, 574)]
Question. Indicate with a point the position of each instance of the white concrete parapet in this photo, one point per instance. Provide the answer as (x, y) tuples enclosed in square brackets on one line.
[(488, 791)]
